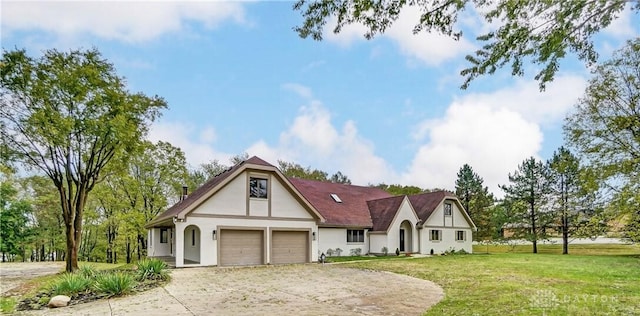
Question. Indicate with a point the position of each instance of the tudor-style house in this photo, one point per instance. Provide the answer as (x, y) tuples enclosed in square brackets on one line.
[(252, 214)]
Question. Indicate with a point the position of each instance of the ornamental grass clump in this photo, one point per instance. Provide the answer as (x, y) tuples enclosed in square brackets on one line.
[(71, 283), (152, 269), (115, 284), (88, 271)]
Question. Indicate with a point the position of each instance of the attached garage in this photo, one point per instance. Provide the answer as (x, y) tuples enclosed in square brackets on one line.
[(289, 247), (241, 247)]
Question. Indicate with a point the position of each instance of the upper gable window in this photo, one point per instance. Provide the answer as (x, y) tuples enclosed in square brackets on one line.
[(447, 209), (258, 188)]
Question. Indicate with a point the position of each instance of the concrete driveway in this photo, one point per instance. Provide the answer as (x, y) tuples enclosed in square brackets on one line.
[(272, 290)]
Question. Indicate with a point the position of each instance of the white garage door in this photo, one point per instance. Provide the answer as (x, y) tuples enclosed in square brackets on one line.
[(289, 247), (241, 247)]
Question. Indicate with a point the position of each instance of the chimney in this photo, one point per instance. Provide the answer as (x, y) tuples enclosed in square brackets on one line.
[(184, 193)]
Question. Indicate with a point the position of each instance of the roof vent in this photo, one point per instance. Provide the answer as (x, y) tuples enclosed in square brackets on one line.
[(336, 198)]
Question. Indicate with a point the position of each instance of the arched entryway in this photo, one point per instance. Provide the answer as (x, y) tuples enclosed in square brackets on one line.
[(406, 234), (192, 245)]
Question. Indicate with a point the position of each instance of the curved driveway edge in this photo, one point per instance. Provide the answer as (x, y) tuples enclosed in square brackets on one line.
[(272, 290)]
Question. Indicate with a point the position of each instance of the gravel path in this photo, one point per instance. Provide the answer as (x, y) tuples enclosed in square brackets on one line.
[(273, 290)]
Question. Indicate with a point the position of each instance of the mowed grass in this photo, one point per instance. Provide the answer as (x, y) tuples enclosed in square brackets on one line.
[(577, 249), (595, 283)]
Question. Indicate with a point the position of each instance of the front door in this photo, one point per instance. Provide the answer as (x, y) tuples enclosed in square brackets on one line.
[(402, 240)]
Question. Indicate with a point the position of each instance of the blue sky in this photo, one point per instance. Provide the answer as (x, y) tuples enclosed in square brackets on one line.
[(237, 79)]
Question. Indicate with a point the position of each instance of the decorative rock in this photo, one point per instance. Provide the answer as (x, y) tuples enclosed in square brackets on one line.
[(59, 301)]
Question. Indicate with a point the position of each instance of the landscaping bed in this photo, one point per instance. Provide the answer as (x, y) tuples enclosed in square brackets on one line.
[(86, 285)]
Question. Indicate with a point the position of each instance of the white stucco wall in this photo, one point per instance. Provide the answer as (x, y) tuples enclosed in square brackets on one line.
[(377, 241), (228, 208), (448, 240), (405, 212), (229, 200), (192, 249), (155, 247), (209, 247), (283, 204), (337, 238), (448, 225)]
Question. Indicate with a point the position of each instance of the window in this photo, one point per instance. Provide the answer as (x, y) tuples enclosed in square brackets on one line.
[(193, 237), (336, 198), (435, 235), (258, 188), (447, 209), (460, 235), (163, 235), (355, 235)]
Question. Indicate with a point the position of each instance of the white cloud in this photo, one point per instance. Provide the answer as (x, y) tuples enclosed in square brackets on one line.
[(535, 106), (185, 136), (348, 34), (313, 140), (492, 141), (208, 135), (302, 91), (622, 27), (124, 21), (492, 132), (431, 49)]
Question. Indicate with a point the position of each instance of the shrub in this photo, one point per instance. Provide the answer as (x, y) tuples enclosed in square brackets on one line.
[(152, 269), (329, 252), (355, 252), (338, 251), (71, 283), (117, 283), (88, 271), (461, 252), (385, 251)]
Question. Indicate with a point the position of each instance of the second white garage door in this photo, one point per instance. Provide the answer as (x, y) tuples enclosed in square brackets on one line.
[(241, 247), (289, 247)]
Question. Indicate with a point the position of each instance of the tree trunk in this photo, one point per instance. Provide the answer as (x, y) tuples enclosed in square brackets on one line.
[(128, 246), (565, 218), (72, 249), (534, 229), (565, 237)]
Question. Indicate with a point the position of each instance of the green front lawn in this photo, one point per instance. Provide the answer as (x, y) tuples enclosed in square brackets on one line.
[(588, 249), (529, 284)]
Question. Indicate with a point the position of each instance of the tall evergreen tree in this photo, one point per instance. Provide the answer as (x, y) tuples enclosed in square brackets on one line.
[(567, 193), (529, 188), (476, 199)]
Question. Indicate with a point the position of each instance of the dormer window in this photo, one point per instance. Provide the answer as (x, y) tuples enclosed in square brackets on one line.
[(447, 209), (336, 198), (258, 188)]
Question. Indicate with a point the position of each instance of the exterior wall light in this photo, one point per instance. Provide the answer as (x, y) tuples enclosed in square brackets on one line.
[(215, 235), (313, 235)]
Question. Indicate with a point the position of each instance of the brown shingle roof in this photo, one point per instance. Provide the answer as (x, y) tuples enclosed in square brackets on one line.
[(360, 207), (425, 203), (383, 211), (203, 189), (353, 211)]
